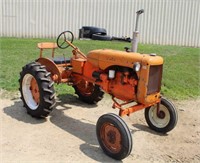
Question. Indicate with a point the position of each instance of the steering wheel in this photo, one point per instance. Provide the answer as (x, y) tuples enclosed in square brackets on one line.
[(63, 38)]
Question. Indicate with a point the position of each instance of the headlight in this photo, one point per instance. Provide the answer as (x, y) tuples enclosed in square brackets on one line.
[(136, 66)]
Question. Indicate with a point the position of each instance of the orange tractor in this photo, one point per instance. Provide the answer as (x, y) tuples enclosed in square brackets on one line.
[(133, 80)]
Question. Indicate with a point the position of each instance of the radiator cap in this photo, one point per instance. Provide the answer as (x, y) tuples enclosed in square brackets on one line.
[(152, 54)]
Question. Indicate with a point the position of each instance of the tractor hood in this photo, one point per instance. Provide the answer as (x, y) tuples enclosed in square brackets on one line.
[(104, 58)]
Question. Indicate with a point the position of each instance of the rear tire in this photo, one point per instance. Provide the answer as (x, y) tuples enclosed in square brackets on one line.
[(165, 120), (88, 31), (37, 90), (101, 37), (114, 136), (88, 92)]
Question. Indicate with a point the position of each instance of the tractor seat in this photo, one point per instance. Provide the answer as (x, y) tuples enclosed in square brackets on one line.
[(61, 60)]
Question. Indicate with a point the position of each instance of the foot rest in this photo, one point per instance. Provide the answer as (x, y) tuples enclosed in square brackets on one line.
[(61, 60)]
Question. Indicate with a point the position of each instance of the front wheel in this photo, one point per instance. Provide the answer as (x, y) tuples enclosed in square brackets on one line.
[(114, 136), (37, 91), (163, 120)]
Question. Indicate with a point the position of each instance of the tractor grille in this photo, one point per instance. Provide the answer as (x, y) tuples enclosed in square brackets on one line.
[(155, 76)]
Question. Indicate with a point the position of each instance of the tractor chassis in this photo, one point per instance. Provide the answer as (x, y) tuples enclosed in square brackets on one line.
[(133, 108)]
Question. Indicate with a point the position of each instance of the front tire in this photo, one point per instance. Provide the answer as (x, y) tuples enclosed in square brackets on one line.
[(165, 120), (114, 136), (37, 91)]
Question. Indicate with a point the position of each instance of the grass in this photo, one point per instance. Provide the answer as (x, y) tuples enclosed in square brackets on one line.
[(181, 78)]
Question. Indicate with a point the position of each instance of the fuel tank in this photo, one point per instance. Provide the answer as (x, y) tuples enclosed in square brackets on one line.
[(104, 58)]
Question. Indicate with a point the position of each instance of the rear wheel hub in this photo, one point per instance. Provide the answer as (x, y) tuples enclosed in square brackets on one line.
[(35, 90), (30, 91)]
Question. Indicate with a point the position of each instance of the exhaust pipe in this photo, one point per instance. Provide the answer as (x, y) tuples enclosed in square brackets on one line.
[(136, 32)]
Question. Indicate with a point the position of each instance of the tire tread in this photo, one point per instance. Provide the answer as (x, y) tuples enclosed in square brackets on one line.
[(45, 84)]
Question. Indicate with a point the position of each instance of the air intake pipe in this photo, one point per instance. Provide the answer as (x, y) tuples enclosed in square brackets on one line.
[(136, 33)]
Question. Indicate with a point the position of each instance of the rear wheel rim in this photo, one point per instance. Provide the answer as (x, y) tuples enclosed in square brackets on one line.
[(159, 120), (30, 91), (111, 137), (85, 88)]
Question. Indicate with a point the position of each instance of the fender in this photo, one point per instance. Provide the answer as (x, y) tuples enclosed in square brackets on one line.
[(52, 68)]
